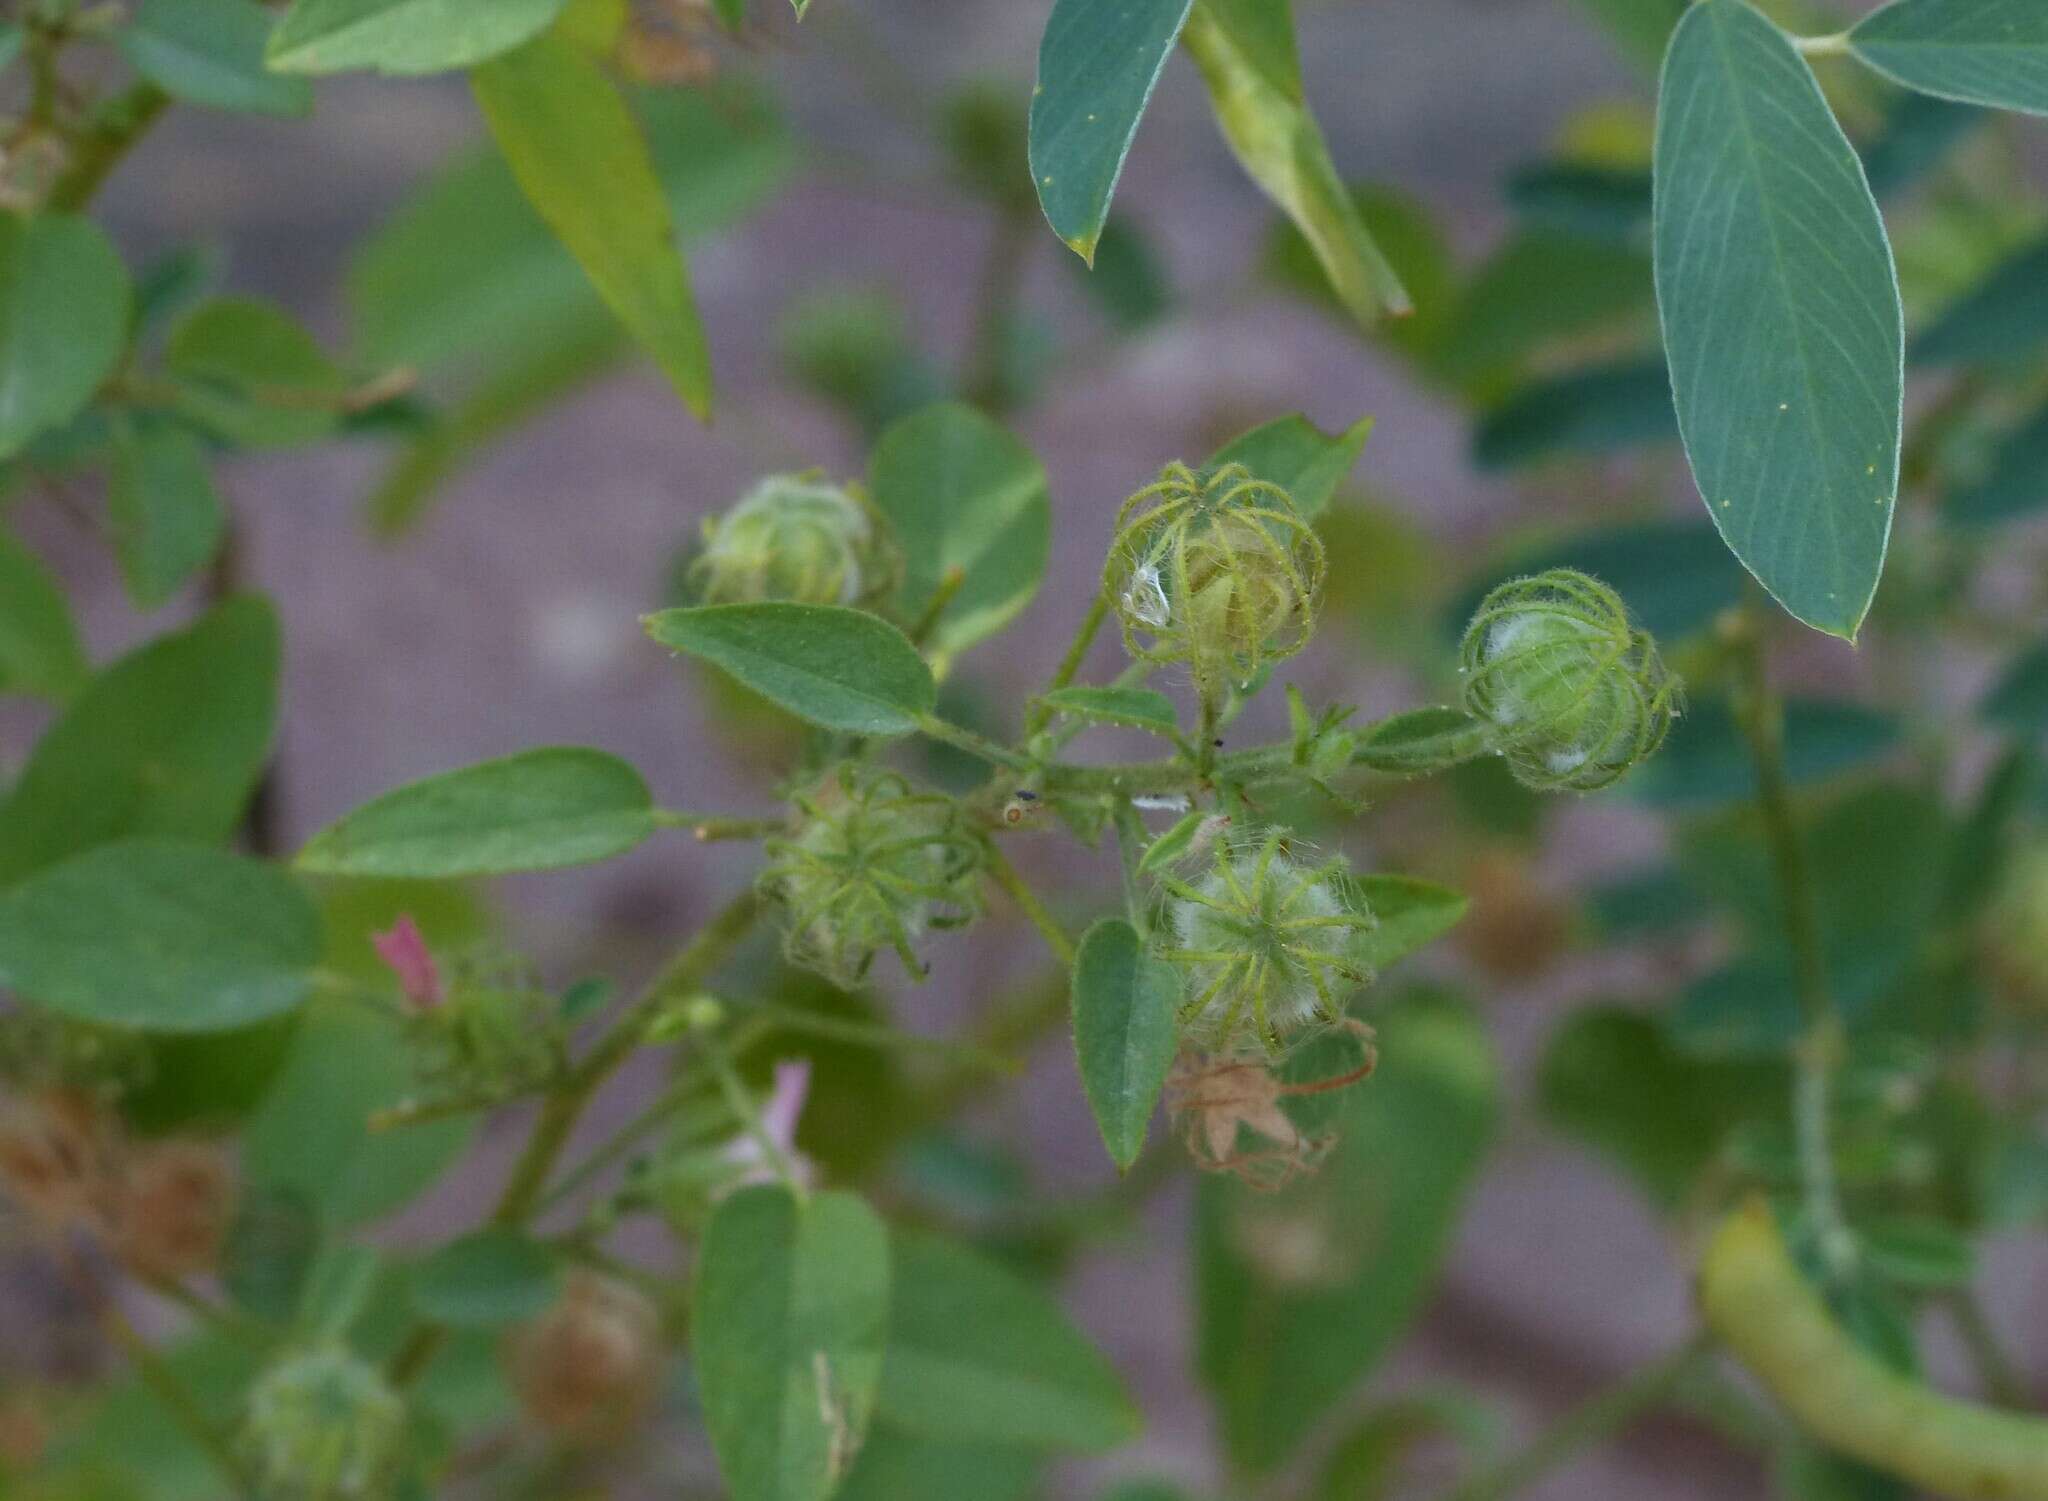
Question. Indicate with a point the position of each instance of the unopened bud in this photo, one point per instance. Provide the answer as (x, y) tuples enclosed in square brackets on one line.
[(588, 1369), (794, 538), (323, 1425)]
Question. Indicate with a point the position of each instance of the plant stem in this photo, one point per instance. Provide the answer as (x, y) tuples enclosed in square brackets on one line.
[(874, 1035), (1599, 1417), (1005, 875), (974, 744), (706, 827), (117, 126), (683, 975), (1070, 664), (183, 1407), (949, 586), (1762, 714), (986, 381), (1836, 44), (2002, 1380)]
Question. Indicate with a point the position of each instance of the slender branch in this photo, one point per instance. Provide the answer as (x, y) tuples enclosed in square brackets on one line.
[(1005, 875), (974, 744), (1600, 1417), (942, 596), (874, 1035), (707, 827), (118, 125), (1070, 664), (2002, 1380), (1762, 714)]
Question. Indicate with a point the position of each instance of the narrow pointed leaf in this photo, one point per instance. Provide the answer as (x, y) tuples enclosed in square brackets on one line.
[(1293, 453), (1790, 408), (40, 652), (1991, 52), (1246, 51), (1098, 62), (582, 161), (1125, 1033), (788, 1324), (63, 321), (168, 518), (837, 668), (538, 810), (210, 52), (403, 36)]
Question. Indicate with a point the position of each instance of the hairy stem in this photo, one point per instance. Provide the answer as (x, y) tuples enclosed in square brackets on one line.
[(1762, 714), (1836, 44), (974, 744), (1004, 874), (1070, 664)]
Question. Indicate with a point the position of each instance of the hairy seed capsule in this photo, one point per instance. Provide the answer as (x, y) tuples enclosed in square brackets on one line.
[(1575, 695), (1268, 944), (588, 1369), (1219, 571), (324, 1426), (794, 537), (872, 864), (176, 1197)]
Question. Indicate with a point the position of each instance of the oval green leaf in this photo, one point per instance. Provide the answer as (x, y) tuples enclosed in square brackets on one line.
[(250, 374), (580, 158), (538, 810), (1790, 410), (161, 935), (1134, 708), (837, 668), (169, 741), (977, 1356), (1302, 459), (63, 321), (961, 492), (403, 36), (1098, 62), (168, 518), (210, 52), (40, 652), (486, 1280), (1991, 52), (788, 1320), (1125, 1032), (1412, 914)]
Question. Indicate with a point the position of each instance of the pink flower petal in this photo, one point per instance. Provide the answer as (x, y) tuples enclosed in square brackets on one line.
[(404, 948)]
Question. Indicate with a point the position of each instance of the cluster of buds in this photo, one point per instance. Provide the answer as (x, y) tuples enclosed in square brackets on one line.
[(871, 864), (795, 537), (485, 1029), (162, 1207), (588, 1369), (1232, 1112), (1269, 945), (1574, 694), (1219, 571), (324, 1425), (710, 1156)]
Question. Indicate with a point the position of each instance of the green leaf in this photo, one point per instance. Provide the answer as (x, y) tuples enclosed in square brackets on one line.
[(1421, 740), (1300, 1295), (2016, 483), (63, 321), (403, 36), (1370, 1462), (169, 741), (168, 519), (1540, 290), (834, 667), (1294, 454), (1134, 708), (894, 1466), (537, 810), (1991, 52), (2003, 318), (248, 372), (787, 1326), (211, 52), (1641, 27), (311, 1134), (1412, 914), (976, 1356), (1126, 1032), (270, 1246), (579, 156), (1613, 1081), (2017, 702), (1127, 280), (1246, 52), (1918, 1252), (1098, 62), (1706, 762), (166, 936), (1610, 204), (1791, 412), (1601, 409), (486, 1280), (40, 652), (961, 492)]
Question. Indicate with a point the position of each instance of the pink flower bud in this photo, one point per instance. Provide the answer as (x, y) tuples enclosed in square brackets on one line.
[(404, 948)]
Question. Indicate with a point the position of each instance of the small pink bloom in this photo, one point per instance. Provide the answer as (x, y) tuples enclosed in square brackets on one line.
[(779, 1116), (405, 950)]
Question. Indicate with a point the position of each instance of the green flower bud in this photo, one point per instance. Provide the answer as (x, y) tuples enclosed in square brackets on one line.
[(494, 1033), (872, 865), (324, 1426), (1574, 694), (1217, 571), (1269, 945), (794, 537)]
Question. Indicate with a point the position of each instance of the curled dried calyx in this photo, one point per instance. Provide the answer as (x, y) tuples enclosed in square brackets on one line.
[(1216, 570), (872, 864), (324, 1425), (1231, 1112), (795, 537), (1573, 693), (1268, 943), (589, 1368)]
